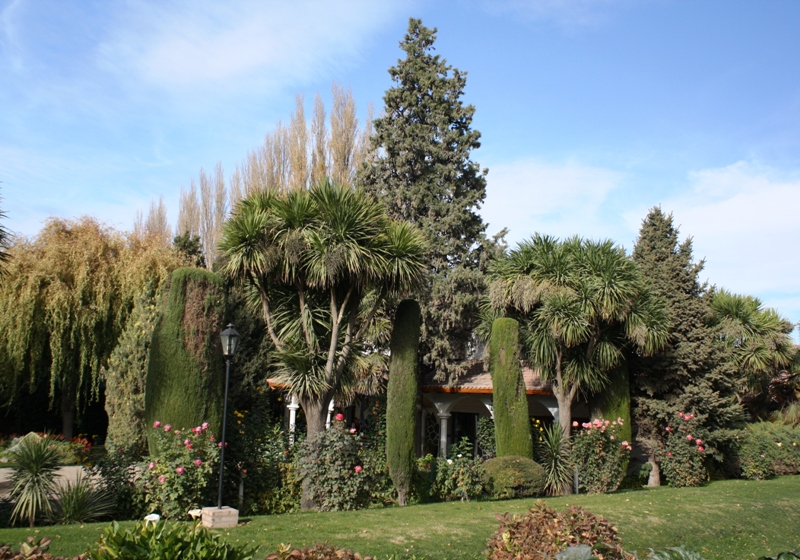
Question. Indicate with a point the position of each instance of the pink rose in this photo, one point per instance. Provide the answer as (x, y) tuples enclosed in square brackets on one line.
[(340, 417), (180, 470), (358, 468), (586, 425), (177, 432), (574, 424), (352, 430), (699, 441), (607, 422), (197, 462), (162, 479), (211, 438), (624, 443), (189, 446), (620, 421), (667, 428), (689, 437), (196, 430), (680, 415), (204, 425), (612, 438), (187, 441), (156, 424), (700, 448), (168, 427), (151, 466), (669, 454)]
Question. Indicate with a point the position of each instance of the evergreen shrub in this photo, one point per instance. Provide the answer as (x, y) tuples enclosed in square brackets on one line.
[(180, 477), (683, 460), (766, 449), (513, 433), (600, 454), (487, 444), (329, 462), (185, 376), (401, 397), (511, 477)]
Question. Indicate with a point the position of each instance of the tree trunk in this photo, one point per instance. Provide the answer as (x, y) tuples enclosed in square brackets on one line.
[(655, 472), (564, 412), (316, 413)]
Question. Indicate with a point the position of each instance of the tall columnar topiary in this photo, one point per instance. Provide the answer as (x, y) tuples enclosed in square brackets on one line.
[(510, 401), (185, 372), (402, 397)]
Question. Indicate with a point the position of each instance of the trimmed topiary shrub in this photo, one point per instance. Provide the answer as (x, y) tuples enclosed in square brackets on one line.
[(185, 376), (401, 398), (542, 533), (513, 431), (513, 477)]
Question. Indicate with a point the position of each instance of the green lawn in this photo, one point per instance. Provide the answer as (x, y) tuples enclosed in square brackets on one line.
[(732, 519)]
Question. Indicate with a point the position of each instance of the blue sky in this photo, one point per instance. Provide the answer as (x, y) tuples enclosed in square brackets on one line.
[(591, 111)]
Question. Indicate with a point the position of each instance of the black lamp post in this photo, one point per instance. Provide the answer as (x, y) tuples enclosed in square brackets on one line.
[(230, 341)]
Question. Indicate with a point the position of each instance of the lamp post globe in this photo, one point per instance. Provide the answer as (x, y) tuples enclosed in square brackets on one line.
[(230, 343)]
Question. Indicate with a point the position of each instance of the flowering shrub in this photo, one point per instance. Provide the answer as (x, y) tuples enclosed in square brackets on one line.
[(459, 477), (330, 464), (176, 480), (600, 455), (766, 449), (683, 460)]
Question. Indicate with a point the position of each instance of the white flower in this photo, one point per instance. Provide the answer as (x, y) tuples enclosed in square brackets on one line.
[(152, 518), (449, 461), (459, 455), (195, 513)]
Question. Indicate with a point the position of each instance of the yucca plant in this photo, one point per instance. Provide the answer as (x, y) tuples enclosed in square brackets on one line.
[(554, 457), (81, 501), (33, 479)]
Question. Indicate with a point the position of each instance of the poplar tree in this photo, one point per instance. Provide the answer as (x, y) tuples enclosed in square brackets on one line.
[(424, 175), (691, 373)]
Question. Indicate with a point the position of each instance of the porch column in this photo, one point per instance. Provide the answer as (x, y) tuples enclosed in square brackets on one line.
[(292, 406), (443, 417), (328, 419)]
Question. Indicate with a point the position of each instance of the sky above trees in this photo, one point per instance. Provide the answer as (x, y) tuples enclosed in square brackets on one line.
[(591, 111)]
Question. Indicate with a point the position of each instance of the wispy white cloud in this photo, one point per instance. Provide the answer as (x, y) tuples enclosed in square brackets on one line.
[(743, 221), (561, 199), (244, 44)]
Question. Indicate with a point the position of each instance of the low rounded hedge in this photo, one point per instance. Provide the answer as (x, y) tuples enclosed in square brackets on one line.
[(513, 477), (766, 449)]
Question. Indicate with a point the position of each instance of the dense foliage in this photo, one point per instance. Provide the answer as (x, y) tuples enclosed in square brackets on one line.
[(581, 303), (185, 374), (512, 477), (684, 456), (601, 455), (332, 469), (401, 397), (765, 449), (691, 373), (460, 475), (423, 173), (512, 427)]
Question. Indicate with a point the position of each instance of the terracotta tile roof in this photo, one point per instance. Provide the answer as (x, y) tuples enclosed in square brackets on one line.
[(478, 380)]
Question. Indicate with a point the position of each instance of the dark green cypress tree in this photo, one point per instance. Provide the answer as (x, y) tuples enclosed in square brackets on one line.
[(615, 400), (512, 427), (185, 375), (691, 374), (424, 175), (401, 397)]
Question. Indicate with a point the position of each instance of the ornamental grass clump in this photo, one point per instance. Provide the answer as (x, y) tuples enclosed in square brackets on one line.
[(683, 460), (177, 479), (542, 533), (600, 455)]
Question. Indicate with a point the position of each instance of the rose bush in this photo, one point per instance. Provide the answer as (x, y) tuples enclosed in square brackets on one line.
[(177, 479), (600, 455), (683, 458)]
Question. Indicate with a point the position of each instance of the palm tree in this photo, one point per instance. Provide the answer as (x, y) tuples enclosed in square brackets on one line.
[(322, 262), (757, 338), (580, 302)]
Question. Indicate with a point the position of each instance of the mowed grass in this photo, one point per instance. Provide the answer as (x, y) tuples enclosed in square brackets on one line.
[(732, 519)]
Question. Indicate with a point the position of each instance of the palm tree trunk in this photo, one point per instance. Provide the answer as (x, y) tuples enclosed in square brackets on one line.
[(316, 412), (564, 411)]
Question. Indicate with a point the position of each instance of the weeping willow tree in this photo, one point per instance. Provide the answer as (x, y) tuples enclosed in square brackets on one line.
[(4, 242), (63, 305)]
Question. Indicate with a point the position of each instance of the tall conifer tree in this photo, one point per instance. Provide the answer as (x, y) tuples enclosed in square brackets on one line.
[(424, 174), (691, 374)]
